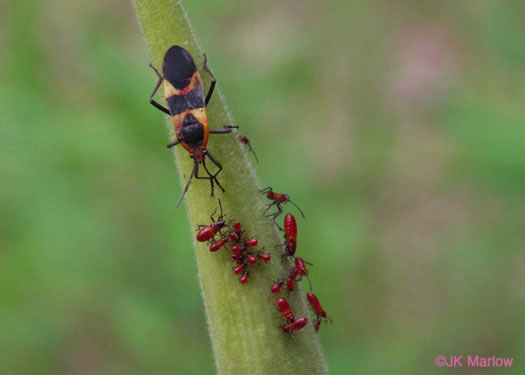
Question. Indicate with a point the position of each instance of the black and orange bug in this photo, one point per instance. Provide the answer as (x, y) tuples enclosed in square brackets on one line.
[(208, 232), (318, 310), (290, 234), (245, 141), (184, 93), (295, 325), (279, 200)]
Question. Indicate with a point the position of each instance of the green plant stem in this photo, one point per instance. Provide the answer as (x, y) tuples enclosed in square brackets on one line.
[(243, 319)]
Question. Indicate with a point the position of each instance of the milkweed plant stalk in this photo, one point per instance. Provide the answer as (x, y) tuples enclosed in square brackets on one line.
[(243, 320)]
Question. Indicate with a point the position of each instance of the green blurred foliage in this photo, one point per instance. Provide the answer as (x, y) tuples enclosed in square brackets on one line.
[(396, 126)]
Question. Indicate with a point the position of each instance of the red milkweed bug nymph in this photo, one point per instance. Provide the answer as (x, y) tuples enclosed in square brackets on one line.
[(279, 200), (252, 242), (250, 258), (184, 93), (290, 234), (285, 309), (318, 310), (208, 232), (245, 141), (236, 249), (275, 288), (217, 245), (289, 284), (295, 325), (237, 270), (301, 266), (244, 278), (265, 257), (237, 227)]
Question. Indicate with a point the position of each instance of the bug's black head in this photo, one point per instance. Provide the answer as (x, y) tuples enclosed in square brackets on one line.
[(178, 67)]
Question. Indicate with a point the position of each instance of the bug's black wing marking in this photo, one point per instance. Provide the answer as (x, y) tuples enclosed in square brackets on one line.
[(178, 67)]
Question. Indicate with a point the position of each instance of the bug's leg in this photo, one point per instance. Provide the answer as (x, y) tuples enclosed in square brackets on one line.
[(151, 100), (213, 214), (194, 171), (267, 189), (213, 80), (309, 282), (220, 206), (280, 211), (227, 129), (269, 206), (254, 154), (275, 214), (174, 143), (210, 177), (219, 165), (296, 206)]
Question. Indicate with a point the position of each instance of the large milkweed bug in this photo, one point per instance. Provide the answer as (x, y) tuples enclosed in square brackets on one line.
[(184, 93), (279, 200)]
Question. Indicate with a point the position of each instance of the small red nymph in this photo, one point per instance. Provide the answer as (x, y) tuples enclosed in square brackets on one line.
[(290, 234), (284, 307), (296, 325), (216, 245)]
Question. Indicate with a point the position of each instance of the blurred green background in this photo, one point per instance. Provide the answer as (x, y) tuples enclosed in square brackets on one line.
[(397, 127)]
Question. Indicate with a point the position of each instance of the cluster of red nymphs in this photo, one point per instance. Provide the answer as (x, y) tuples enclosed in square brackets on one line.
[(297, 271), (243, 249), (244, 253)]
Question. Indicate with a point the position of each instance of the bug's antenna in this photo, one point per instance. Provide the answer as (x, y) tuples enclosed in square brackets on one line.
[(301, 211), (195, 166)]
